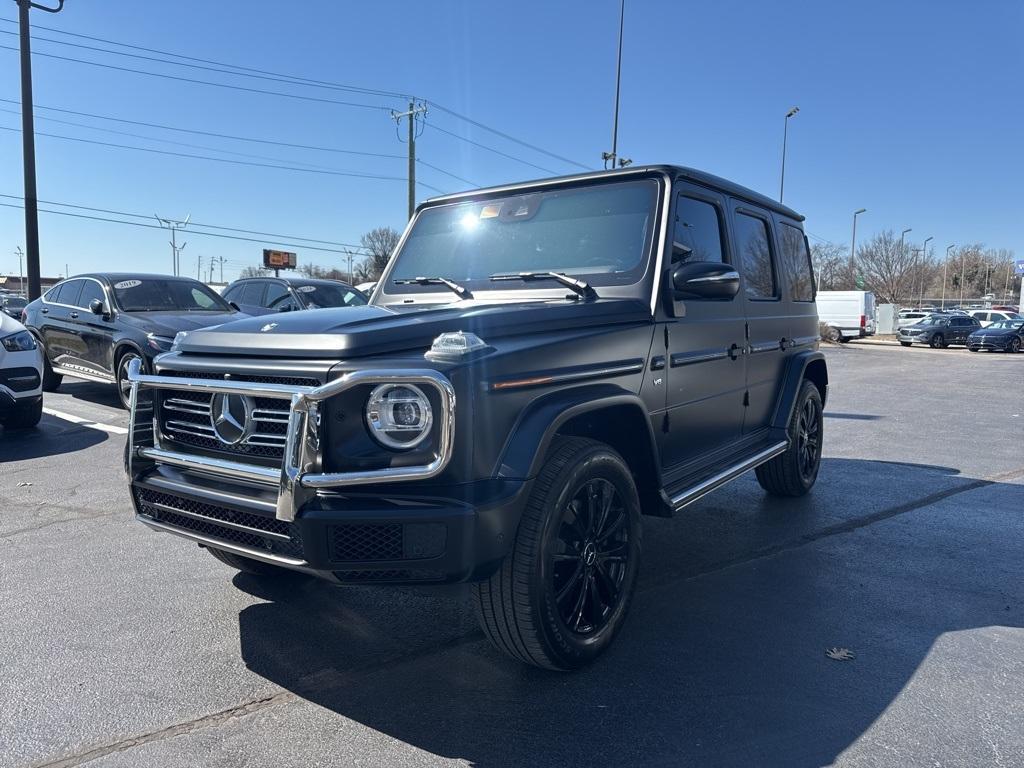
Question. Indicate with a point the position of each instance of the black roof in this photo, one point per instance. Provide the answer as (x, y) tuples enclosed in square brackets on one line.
[(114, 277), (677, 171)]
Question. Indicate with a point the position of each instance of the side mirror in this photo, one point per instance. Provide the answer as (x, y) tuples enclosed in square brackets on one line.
[(96, 307), (705, 280), (234, 306), (285, 308)]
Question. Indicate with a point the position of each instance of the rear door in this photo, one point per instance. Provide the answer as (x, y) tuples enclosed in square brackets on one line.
[(706, 376), (250, 298), (59, 338), (798, 287), (768, 318)]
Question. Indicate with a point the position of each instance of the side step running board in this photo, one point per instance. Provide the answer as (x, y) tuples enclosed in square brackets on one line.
[(705, 487), (64, 370)]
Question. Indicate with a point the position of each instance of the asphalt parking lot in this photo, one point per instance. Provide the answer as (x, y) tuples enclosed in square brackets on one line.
[(123, 647)]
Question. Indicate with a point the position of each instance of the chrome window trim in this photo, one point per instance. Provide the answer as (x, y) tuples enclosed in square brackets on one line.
[(106, 294), (297, 479)]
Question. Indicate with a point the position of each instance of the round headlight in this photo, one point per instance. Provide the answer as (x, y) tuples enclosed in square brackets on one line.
[(399, 415)]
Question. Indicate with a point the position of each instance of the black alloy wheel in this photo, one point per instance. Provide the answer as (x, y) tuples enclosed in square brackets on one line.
[(1014, 344), (590, 562), (808, 439), (794, 471)]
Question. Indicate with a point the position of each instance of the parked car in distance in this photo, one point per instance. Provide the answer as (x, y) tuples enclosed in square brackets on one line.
[(910, 317), (848, 314), (542, 363), (21, 376), (12, 305), (988, 316), (264, 295), (938, 331), (1006, 308), (1002, 335), (92, 326)]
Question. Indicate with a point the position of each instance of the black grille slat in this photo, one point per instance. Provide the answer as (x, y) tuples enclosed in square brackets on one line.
[(404, 574), (354, 542), (148, 499)]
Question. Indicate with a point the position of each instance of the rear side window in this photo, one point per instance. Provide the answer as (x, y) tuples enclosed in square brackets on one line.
[(797, 263), (753, 245), (252, 293), (698, 231), (231, 293), (69, 292)]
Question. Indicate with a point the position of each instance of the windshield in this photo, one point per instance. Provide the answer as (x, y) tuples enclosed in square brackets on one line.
[(327, 295), (14, 301), (600, 232), (1010, 325), (144, 294), (934, 320)]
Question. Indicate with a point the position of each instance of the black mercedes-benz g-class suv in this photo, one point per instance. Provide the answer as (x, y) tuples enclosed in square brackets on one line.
[(540, 365)]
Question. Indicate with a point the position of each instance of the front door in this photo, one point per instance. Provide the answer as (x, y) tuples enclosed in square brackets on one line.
[(706, 371), (95, 332)]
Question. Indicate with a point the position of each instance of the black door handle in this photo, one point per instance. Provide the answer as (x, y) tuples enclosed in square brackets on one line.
[(74, 315), (45, 311), (734, 352)]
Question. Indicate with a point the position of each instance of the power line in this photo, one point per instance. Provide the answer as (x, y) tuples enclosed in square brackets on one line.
[(490, 149), (195, 81), (446, 173), (194, 223), (211, 134), (195, 232), (291, 79), (353, 174)]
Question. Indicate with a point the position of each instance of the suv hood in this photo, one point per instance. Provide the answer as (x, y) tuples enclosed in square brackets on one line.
[(347, 332), (168, 323), (994, 332)]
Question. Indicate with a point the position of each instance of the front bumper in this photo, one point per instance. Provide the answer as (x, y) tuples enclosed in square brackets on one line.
[(433, 536), (329, 523)]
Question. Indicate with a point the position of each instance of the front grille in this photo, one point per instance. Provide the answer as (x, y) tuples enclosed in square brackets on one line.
[(265, 534), (390, 575), (185, 418)]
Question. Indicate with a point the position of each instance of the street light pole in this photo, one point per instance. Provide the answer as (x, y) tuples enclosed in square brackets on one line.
[(21, 275), (785, 133), (945, 268), (924, 255), (853, 240)]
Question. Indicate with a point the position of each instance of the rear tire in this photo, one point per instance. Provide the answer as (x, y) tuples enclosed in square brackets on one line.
[(793, 472), (23, 415), (1014, 346), (577, 546), (906, 343), (833, 335), (247, 564)]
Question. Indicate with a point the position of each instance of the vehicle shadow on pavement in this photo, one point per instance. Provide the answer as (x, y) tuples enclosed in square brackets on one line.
[(91, 392), (722, 661), (52, 437)]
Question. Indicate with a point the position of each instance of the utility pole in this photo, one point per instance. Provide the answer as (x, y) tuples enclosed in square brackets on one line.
[(963, 275), (174, 226), (21, 275), (945, 267), (199, 267), (411, 115), (924, 261), (28, 143)]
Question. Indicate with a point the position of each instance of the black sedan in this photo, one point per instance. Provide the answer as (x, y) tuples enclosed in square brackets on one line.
[(12, 306), (938, 331), (264, 295), (1004, 335), (92, 326)]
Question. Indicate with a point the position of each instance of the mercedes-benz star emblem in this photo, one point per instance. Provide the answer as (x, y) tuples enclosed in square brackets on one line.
[(231, 417)]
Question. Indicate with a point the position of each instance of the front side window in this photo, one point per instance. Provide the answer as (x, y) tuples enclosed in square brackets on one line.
[(698, 231), (797, 263), (154, 294), (252, 294), (91, 290), (753, 246), (276, 293), (601, 233)]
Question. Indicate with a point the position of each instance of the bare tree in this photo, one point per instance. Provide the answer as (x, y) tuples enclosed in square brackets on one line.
[(380, 244), (254, 272), (887, 267), (830, 272)]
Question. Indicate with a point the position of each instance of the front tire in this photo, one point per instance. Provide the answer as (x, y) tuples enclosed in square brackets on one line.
[(1014, 346), (561, 595), (247, 564), (124, 387), (938, 341), (833, 335), (23, 415), (906, 343), (51, 380), (793, 472)]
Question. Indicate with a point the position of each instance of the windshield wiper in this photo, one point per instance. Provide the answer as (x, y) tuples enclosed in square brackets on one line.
[(458, 290), (580, 287)]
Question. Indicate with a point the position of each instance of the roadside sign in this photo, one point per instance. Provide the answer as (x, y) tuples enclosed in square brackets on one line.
[(1018, 266), (279, 259)]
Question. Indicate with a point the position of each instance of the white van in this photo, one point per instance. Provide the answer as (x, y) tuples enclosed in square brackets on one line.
[(849, 314)]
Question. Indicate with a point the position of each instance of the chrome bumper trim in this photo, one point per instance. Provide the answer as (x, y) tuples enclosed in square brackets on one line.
[(237, 549), (296, 480)]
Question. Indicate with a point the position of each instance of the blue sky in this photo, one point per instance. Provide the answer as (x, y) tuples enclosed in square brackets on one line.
[(913, 110)]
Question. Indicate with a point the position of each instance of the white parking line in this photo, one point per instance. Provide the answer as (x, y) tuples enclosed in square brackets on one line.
[(86, 422)]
